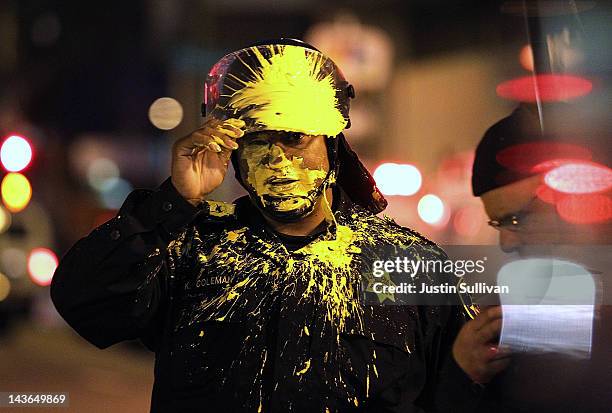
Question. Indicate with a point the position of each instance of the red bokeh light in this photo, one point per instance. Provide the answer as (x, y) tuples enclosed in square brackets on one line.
[(552, 164), (544, 88), (538, 157), (585, 209), (579, 178), (468, 221), (548, 195), (456, 169)]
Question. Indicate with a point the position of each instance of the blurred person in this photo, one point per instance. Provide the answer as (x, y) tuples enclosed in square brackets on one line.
[(258, 306), (509, 177)]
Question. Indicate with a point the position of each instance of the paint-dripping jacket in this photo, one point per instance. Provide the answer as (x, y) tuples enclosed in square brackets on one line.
[(240, 322)]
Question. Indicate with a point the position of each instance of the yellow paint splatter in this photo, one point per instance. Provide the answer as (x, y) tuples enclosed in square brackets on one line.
[(233, 236), (279, 90), (324, 271), (220, 209), (336, 252), (290, 263)]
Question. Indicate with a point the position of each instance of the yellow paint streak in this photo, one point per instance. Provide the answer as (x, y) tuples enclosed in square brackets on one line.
[(290, 92), (306, 331), (330, 218), (205, 258), (368, 381), (472, 311), (290, 263), (305, 369), (329, 261), (242, 283), (233, 293), (176, 245)]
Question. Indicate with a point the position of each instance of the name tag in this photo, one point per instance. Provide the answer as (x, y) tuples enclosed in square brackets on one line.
[(213, 280)]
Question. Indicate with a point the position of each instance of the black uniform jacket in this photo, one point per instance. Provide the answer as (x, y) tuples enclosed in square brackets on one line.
[(241, 323)]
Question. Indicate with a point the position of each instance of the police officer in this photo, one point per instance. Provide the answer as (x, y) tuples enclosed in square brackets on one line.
[(264, 305)]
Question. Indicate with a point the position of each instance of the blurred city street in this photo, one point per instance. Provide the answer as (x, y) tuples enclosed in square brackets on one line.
[(118, 379)]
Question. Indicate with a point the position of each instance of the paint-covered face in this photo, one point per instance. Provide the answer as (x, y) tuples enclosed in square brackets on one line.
[(283, 171)]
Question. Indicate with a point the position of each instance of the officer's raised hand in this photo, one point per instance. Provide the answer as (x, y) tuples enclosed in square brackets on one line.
[(200, 160), (475, 349)]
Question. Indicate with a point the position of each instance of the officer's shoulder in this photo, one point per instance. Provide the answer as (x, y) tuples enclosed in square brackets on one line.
[(385, 230)]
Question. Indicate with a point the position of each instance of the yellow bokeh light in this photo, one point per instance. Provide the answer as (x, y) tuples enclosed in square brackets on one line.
[(166, 113), (5, 287), (16, 192)]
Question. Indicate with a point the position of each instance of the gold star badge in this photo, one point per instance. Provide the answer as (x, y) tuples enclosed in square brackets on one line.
[(384, 280)]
